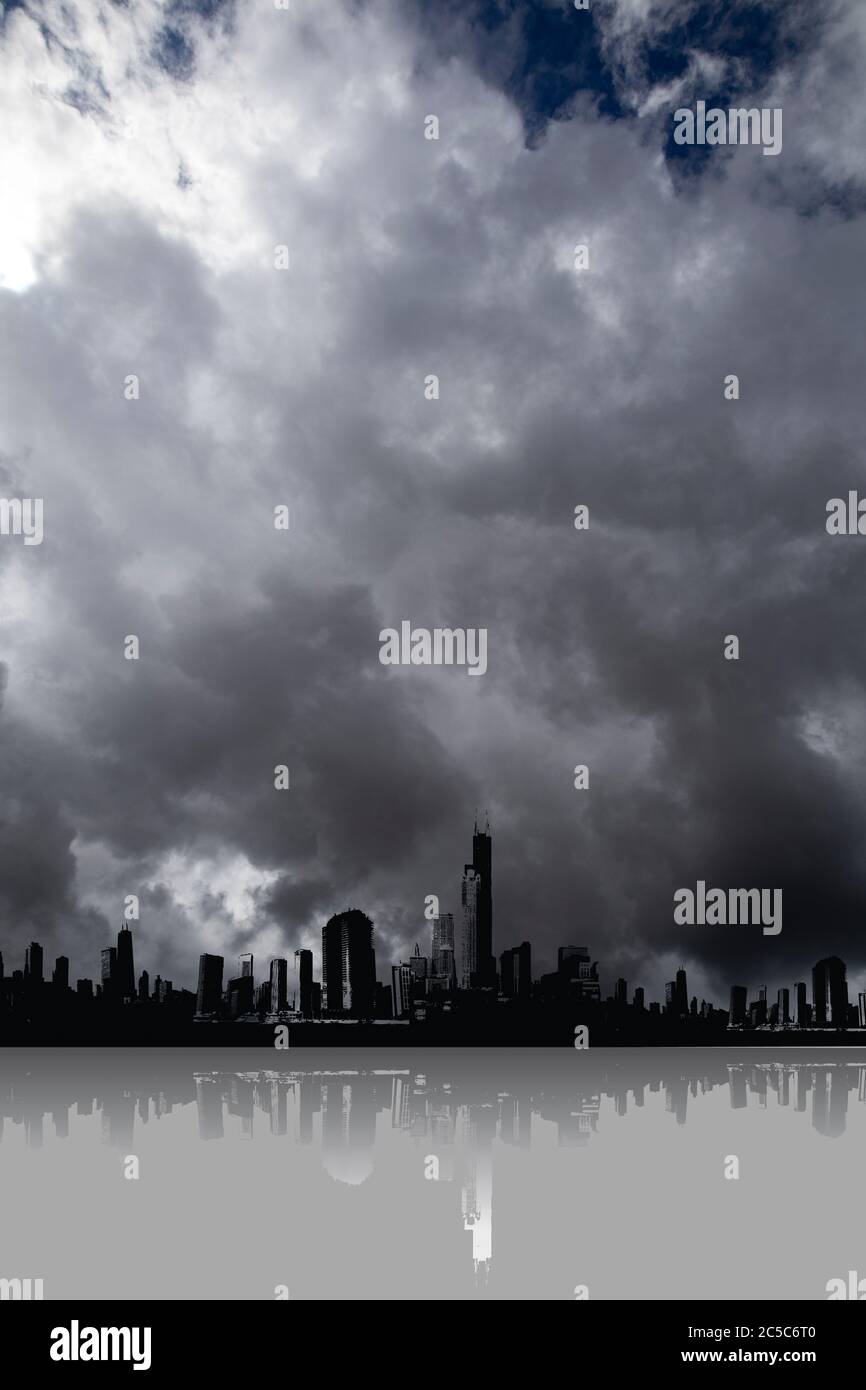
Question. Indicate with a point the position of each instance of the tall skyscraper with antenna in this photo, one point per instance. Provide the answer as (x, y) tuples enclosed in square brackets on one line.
[(482, 863), (124, 969)]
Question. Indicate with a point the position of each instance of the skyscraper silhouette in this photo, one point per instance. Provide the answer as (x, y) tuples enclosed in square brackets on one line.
[(830, 993), (802, 1005), (469, 934), (482, 862), (349, 965), (737, 1008), (33, 964), (210, 984), (109, 972), (279, 984), (442, 951), (304, 960), (125, 969)]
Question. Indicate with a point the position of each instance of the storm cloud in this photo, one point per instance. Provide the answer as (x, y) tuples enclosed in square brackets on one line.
[(154, 158)]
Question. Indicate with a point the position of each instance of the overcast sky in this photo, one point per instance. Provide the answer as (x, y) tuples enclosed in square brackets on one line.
[(153, 156)]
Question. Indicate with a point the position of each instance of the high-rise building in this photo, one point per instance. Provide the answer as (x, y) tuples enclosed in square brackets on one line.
[(638, 997), (60, 978), (442, 953), (802, 1005), (33, 973), (304, 960), (109, 971), (515, 971), (861, 1009), (245, 965), (468, 973), (830, 993), (670, 997), (210, 984), (681, 994), (576, 973), (125, 978), (573, 963), (279, 984), (737, 1009), (569, 957), (418, 964), (506, 974), (523, 969), (783, 1001), (241, 997), (349, 965), (482, 862), (401, 990), (144, 986), (620, 992)]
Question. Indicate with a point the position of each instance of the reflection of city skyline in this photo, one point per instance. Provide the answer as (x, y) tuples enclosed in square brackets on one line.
[(455, 1110), (446, 1101)]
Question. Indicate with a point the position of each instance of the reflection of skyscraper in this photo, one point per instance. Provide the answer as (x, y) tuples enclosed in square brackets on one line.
[(348, 1127), (209, 1098), (830, 993), (476, 1200), (349, 965), (830, 1100), (125, 967), (476, 1196), (210, 984), (739, 1088)]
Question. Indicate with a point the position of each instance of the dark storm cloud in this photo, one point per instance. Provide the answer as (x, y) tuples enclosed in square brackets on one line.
[(258, 388)]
